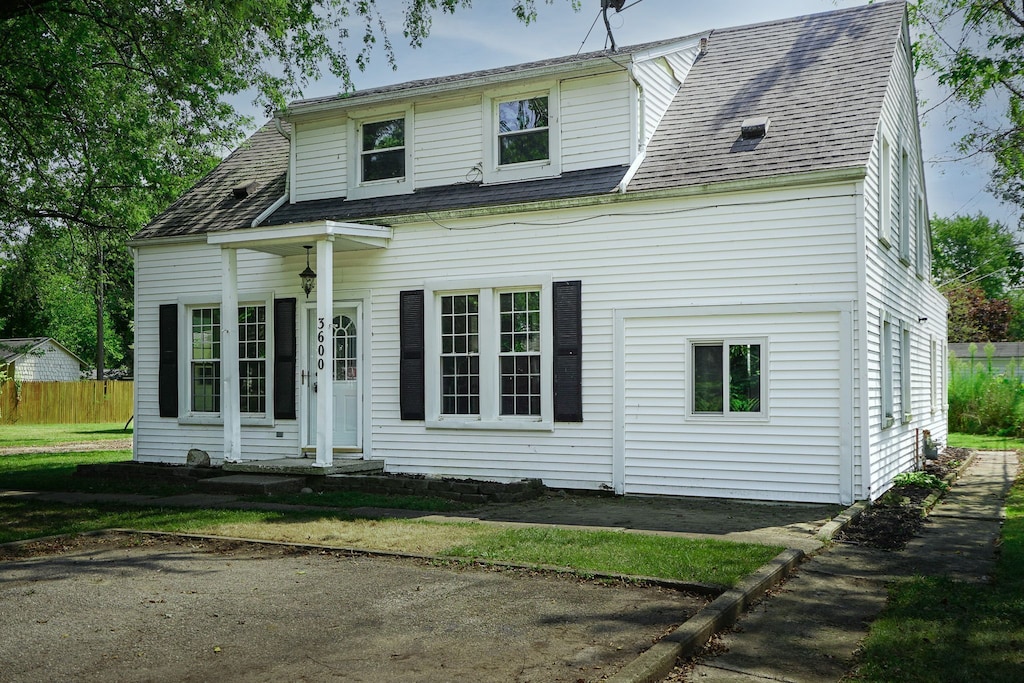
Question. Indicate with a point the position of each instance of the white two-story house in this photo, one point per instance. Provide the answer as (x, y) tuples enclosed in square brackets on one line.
[(698, 266)]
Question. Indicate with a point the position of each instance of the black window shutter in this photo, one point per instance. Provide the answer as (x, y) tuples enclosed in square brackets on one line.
[(284, 359), (567, 365), (167, 375), (411, 363)]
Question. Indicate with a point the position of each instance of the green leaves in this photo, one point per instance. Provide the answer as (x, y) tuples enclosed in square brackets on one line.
[(976, 49)]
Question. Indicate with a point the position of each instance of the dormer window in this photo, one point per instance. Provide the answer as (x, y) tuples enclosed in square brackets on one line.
[(521, 134), (523, 130), (380, 160), (382, 152)]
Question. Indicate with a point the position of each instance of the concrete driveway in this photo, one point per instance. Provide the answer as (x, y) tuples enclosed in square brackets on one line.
[(126, 608)]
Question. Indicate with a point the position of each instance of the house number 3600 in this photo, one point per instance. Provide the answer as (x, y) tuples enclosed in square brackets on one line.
[(320, 344)]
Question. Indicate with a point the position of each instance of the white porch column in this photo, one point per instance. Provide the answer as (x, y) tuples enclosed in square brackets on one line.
[(230, 403), (324, 352)]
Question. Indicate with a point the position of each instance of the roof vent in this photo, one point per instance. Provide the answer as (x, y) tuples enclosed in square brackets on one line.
[(244, 190), (756, 127), (703, 49)]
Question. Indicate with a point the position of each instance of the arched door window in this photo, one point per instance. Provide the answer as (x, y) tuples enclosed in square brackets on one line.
[(345, 359)]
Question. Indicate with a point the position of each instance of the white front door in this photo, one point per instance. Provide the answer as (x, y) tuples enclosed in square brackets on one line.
[(347, 377)]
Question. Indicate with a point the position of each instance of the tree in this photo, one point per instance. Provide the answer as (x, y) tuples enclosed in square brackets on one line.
[(976, 49), (976, 251), (975, 318), (979, 268), (112, 108)]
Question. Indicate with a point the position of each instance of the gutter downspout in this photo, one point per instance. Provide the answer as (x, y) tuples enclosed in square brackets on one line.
[(280, 201), (640, 133)]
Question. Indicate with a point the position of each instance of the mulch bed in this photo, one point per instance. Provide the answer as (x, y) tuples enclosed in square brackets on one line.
[(897, 516)]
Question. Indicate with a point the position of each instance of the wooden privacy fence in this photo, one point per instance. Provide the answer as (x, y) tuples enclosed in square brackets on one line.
[(65, 402)]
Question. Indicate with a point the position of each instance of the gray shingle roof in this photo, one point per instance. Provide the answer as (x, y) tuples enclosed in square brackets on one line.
[(400, 89), (819, 78), (13, 347), (210, 205), (449, 197)]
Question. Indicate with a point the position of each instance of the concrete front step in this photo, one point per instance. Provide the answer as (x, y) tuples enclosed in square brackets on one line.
[(303, 467), (252, 484)]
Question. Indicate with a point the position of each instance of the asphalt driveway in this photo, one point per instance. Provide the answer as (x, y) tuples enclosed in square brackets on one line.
[(165, 609)]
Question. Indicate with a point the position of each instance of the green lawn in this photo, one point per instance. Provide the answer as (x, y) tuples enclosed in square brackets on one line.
[(703, 560), (51, 435), (681, 559), (983, 442), (937, 630), (715, 562)]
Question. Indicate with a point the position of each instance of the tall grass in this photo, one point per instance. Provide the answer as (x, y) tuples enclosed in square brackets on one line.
[(984, 399)]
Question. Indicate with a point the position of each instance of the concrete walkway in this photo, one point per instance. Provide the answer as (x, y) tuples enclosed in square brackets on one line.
[(811, 628)]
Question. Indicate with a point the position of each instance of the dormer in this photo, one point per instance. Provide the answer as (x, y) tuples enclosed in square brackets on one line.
[(528, 122)]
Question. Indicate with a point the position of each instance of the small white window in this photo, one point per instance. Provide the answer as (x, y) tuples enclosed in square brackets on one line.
[(727, 378), (521, 132), (923, 241), (523, 127), (933, 364), (906, 374), (904, 208), (887, 384), (380, 160), (885, 193), (382, 150)]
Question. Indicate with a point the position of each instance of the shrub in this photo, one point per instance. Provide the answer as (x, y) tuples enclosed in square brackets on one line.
[(982, 400)]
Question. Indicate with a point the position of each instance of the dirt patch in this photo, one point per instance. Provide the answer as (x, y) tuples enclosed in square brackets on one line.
[(898, 516), (136, 607), (81, 447)]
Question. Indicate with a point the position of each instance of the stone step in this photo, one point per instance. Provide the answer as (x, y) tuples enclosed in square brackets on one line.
[(252, 484), (305, 467)]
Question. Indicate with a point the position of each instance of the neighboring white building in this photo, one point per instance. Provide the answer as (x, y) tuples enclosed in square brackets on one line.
[(40, 359), (698, 266)]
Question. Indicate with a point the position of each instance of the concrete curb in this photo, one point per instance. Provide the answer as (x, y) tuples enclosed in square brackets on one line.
[(709, 590), (842, 520), (935, 496), (657, 662)]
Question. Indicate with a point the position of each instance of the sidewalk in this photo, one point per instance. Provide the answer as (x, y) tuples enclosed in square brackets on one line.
[(811, 628)]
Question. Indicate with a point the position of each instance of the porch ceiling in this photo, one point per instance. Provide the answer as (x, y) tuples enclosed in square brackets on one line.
[(289, 240)]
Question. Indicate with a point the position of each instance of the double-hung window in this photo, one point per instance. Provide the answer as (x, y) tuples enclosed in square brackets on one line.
[(727, 377), (204, 362), (522, 135), (460, 354), (885, 193), (492, 350), (887, 373), (380, 160), (523, 127), (382, 150)]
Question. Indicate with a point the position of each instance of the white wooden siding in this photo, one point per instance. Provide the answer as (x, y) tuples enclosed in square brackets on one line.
[(320, 159), (893, 288), (449, 141), (771, 247), (448, 135), (793, 454), (595, 121), (164, 275)]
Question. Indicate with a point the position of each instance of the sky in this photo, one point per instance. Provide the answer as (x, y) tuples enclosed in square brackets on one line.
[(489, 35)]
